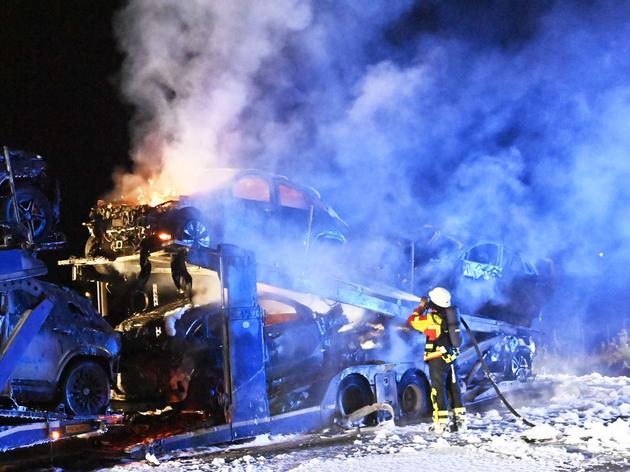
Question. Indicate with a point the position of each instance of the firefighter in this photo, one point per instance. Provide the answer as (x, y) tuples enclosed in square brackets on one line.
[(440, 323)]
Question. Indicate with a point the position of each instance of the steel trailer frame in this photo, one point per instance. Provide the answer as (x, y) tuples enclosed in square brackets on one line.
[(245, 380)]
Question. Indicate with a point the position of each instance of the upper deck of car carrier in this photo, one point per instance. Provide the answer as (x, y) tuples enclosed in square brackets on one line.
[(388, 301)]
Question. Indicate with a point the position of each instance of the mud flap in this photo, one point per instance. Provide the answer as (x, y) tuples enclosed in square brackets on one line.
[(386, 392)]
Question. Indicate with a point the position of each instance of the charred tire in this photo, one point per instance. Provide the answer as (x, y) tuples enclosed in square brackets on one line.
[(520, 366), (413, 397), (93, 249), (192, 229), (34, 209), (85, 388), (354, 393)]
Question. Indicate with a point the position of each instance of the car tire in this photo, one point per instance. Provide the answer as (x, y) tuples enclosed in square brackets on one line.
[(85, 388), (35, 211), (354, 393), (520, 366), (191, 229), (93, 249), (413, 397)]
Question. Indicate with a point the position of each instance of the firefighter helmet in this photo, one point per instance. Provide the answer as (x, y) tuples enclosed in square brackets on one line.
[(441, 297)]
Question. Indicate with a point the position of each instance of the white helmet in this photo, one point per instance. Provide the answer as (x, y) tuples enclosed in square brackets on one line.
[(441, 297)]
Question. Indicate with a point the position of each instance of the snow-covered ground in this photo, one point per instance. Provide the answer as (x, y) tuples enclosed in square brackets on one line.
[(583, 426)]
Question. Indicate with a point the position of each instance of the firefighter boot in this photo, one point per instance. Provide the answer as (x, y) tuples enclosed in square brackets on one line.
[(438, 428), (440, 422), (461, 421)]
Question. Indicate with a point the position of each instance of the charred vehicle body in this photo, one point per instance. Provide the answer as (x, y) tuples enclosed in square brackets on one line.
[(174, 354), (499, 283), (269, 351), (72, 355), (250, 208), (488, 279), (37, 196)]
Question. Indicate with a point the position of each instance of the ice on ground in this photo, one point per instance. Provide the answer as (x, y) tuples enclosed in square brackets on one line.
[(449, 459), (584, 425), (542, 432)]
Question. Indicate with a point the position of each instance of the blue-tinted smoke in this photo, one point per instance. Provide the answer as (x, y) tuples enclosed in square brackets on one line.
[(506, 121)]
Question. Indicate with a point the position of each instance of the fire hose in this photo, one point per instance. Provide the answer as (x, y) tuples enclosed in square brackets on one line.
[(488, 375), (348, 421)]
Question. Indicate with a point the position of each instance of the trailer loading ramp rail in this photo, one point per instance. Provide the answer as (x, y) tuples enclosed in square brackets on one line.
[(385, 300)]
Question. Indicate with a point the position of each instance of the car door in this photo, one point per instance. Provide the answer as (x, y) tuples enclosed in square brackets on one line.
[(247, 212), (291, 222), (292, 340), (40, 362)]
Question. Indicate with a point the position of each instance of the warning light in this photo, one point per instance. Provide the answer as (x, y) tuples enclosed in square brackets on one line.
[(54, 435), (164, 236)]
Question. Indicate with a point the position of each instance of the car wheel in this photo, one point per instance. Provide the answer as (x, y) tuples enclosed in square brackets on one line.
[(520, 366), (93, 249), (413, 397), (34, 209), (354, 393), (192, 230), (85, 388)]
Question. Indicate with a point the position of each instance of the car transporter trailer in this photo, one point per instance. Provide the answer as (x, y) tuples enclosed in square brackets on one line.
[(244, 350)]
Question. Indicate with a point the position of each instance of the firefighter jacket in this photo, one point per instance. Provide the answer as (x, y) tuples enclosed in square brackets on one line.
[(442, 328)]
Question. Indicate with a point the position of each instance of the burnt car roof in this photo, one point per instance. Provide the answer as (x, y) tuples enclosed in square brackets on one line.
[(229, 176)]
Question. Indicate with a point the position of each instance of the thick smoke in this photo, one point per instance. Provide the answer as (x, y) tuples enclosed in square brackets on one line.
[(498, 121)]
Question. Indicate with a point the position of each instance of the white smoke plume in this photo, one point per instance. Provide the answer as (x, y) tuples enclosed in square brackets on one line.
[(502, 121), (190, 73)]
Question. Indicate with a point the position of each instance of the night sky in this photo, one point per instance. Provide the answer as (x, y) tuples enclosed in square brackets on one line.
[(59, 97)]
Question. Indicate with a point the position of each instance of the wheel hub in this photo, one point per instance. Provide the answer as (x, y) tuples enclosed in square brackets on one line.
[(410, 398)]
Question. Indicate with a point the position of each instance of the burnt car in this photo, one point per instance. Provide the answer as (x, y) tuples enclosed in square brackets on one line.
[(497, 282), (73, 358), (174, 354), (508, 357), (250, 208), (36, 195)]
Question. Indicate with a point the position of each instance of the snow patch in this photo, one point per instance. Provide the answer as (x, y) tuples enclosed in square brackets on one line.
[(543, 432)]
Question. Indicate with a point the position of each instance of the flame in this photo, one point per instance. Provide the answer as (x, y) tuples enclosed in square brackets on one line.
[(156, 188), (153, 194)]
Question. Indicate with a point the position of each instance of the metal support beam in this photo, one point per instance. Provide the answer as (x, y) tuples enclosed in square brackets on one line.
[(243, 337), (24, 332)]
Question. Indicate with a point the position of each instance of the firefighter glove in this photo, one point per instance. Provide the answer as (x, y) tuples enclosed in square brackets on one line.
[(449, 355)]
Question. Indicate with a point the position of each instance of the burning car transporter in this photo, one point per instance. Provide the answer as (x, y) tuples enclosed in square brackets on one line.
[(241, 385), (266, 351)]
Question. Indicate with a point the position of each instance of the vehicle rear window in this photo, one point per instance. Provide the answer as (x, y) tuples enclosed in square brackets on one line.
[(291, 197), (252, 188)]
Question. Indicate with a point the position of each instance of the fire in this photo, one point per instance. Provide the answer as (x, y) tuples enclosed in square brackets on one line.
[(153, 194), (138, 189)]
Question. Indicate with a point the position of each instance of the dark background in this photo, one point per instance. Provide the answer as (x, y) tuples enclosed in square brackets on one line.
[(59, 98)]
